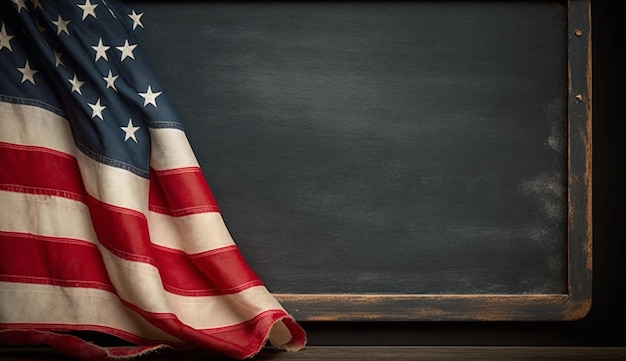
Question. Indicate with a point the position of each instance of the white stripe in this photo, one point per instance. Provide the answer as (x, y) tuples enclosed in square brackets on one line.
[(136, 282), (30, 125), (50, 216), (219, 311), (140, 284), (191, 234), (113, 185), (45, 215), (170, 149), (47, 304)]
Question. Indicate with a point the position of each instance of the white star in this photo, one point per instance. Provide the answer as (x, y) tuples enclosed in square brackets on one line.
[(21, 4), (61, 25), (88, 9), (28, 73), (110, 79), (57, 59), (97, 109), (136, 19), (127, 50), (149, 97), (5, 39), (37, 4), (76, 84), (101, 50), (130, 130)]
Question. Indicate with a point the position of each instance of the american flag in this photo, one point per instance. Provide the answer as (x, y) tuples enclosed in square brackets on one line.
[(107, 223)]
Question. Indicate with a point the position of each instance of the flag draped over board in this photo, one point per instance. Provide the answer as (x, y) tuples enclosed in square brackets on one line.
[(106, 221)]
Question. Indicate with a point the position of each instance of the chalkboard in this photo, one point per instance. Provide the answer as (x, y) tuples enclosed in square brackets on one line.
[(424, 160)]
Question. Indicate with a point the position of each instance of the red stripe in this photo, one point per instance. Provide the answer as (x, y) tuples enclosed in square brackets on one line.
[(30, 258), (187, 192), (122, 231), (47, 334), (190, 282), (243, 337), (64, 327), (238, 341), (38, 170), (125, 233), (226, 269)]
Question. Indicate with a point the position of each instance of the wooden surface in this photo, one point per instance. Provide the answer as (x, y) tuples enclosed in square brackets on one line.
[(365, 353)]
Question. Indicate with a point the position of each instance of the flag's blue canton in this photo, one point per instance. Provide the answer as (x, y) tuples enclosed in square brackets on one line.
[(80, 59)]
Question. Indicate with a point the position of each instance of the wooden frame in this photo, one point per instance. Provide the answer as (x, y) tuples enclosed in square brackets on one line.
[(571, 305)]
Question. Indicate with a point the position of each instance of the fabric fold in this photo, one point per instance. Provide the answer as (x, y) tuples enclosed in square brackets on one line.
[(107, 223)]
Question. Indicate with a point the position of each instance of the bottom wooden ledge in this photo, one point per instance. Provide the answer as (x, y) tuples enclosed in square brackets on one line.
[(364, 353)]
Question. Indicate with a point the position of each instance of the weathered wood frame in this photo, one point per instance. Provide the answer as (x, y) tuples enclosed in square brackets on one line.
[(572, 305)]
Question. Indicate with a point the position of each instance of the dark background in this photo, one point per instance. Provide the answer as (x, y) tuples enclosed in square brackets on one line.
[(605, 324)]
